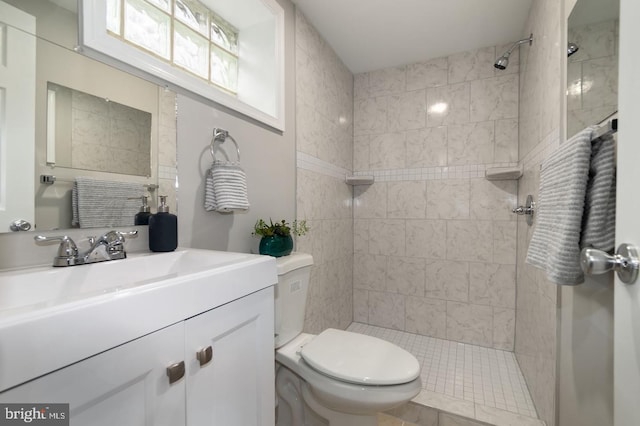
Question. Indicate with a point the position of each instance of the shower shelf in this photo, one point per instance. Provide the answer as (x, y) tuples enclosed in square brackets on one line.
[(359, 180), (503, 173)]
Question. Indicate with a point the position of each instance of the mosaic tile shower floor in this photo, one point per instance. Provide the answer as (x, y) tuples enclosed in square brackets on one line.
[(463, 371)]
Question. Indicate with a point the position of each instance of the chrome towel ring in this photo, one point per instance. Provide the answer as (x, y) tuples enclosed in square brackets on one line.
[(221, 135)]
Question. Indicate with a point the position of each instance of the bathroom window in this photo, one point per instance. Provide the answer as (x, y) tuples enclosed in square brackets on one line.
[(184, 33), (230, 52)]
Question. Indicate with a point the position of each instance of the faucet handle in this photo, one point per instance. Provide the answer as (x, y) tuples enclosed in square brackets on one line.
[(117, 237), (129, 234), (67, 247), (114, 243)]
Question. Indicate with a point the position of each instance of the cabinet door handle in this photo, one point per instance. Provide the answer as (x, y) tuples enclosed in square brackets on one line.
[(175, 372), (204, 356)]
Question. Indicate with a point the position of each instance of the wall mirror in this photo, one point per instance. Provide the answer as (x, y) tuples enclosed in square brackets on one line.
[(87, 132), (592, 63), (107, 124)]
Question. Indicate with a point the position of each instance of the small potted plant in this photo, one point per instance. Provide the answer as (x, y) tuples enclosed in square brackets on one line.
[(276, 238)]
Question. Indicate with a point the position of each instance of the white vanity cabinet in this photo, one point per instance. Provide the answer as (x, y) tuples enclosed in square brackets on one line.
[(237, 386), (129, 384), (126, 385)]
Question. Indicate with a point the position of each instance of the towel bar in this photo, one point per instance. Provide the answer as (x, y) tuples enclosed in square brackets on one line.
[(51, 179)]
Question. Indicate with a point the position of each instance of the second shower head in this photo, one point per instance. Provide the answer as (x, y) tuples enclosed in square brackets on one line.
[(572, 48), (503, 61)]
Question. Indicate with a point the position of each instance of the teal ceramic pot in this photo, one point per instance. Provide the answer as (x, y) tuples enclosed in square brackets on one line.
[(276, 245)]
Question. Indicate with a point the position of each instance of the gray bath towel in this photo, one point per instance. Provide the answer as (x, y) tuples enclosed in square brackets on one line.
[(576, 206), (599, 222), (101, 203)]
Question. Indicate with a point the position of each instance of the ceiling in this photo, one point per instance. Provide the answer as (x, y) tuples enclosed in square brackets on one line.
[(591, 11), (374, 34)]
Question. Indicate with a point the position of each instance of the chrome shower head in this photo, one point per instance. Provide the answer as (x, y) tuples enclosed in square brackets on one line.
[(572, 48), (503, 61)]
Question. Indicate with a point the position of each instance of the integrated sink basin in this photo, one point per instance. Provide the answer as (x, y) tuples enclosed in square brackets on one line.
[(39, 288), (52, 317)]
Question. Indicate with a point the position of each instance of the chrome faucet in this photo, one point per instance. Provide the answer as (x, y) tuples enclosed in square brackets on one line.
[(109, 246)]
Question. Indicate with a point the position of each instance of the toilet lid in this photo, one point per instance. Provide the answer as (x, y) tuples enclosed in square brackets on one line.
[(357, 358)]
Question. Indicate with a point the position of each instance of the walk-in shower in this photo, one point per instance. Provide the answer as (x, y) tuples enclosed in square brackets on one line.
[(503, 61)]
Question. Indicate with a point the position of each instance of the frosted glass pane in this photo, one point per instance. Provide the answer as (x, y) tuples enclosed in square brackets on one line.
[(191, 50), (113, 16), (224, 35), (224, 69), (194, 14), (162, 4), (147, 27)]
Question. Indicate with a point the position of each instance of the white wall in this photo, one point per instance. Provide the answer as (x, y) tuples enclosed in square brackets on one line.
[(585, 351), (267, 157)]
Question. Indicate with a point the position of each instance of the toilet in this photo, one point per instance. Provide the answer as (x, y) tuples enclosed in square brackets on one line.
[(335, 378)]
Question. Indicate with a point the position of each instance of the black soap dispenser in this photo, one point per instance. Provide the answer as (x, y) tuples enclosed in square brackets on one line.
[(142, 217), (163, 228)]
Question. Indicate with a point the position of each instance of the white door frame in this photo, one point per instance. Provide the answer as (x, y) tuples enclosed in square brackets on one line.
[(627, 297)]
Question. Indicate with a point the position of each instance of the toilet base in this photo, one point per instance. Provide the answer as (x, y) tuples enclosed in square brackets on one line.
[(336, 418), (295, 400)]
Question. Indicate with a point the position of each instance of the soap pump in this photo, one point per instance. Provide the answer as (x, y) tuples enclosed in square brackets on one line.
[(142, 217), (163, 228)]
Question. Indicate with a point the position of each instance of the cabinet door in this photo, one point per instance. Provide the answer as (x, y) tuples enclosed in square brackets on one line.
[(237, 386), (125, 386)]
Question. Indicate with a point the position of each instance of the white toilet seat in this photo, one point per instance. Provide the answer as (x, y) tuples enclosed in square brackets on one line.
[(339, 395), (360, 359)]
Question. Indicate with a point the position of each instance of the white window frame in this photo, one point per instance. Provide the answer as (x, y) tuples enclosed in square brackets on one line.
[(260, 93)]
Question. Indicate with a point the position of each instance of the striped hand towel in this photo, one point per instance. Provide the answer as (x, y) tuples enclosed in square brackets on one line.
[(100, 203), (576, 206), (226, 188)]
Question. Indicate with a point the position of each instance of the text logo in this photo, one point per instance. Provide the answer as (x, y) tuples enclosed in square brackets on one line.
[(34, 414)]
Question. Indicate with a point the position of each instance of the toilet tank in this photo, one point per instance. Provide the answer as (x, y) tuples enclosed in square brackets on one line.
[(291, 295)]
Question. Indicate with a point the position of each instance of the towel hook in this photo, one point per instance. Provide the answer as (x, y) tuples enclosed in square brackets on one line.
[(221, 135)]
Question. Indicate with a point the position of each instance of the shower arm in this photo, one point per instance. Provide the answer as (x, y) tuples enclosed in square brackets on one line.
[(518, 43)]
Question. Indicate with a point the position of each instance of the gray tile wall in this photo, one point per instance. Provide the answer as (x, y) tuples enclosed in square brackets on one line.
[(541, 99), (434, 242), (324, 132)]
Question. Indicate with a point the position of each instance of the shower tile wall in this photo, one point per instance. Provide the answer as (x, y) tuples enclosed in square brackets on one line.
[(324, 140), (434, 243), (592, 75), (541, 99), (107, 136)]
